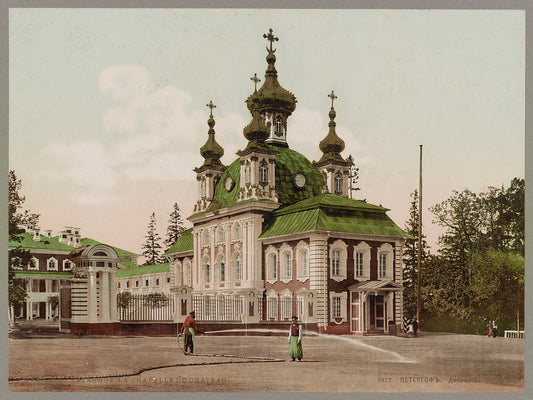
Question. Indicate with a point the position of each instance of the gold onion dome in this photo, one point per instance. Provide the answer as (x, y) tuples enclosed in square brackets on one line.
[(332, 145), (211, 151), (272, 96)]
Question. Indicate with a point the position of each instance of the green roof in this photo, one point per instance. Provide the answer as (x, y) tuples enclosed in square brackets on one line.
[(23, 274), (329, 212), (184, 242), (92, 242), (288, 163), (52, 243), (145, 270)]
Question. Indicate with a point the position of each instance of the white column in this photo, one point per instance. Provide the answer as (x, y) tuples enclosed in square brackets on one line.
[(28, 310), (113, 315), (91, 312), (104, 297), (245, 260)]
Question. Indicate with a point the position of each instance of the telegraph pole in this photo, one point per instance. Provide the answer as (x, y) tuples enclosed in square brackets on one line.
[(418, 305)]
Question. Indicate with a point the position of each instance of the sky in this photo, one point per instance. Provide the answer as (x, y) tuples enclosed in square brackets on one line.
[(107, 107)]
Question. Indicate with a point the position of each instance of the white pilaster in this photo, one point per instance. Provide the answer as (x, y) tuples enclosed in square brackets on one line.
[(105, 298), (92, 297)]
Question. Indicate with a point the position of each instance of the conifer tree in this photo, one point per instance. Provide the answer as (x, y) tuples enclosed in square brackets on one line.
[(410, 256), (175, 226), (152, 246)]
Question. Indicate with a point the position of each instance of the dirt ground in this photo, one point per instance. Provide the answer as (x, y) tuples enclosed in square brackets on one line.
[(429, 363)]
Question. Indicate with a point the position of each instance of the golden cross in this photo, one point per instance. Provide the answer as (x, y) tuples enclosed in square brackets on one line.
[(255, 79), (332, 97), (270, 37), (211, 106)]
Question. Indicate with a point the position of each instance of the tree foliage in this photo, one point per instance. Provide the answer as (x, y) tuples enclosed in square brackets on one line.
[(410, 256), (175, 226), (17, 220), (152, 247), (479, 273)]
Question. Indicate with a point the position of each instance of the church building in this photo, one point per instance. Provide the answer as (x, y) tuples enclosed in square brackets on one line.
[(276, 235)]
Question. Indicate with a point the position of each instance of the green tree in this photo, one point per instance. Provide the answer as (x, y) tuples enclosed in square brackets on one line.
[(17, 255), (152, 246), (175, 226), (497, 287), (410, 256)]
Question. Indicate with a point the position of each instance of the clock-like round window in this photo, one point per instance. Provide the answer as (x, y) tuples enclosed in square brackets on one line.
[(228, 183), (299, 180)]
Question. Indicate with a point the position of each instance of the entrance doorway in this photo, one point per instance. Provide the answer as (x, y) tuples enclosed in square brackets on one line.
[(377, 312)]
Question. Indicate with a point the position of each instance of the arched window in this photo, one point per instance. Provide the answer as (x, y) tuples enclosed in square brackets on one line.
[(238, 268), (222, 270), (263, 172), (238, 232), (203, 189), (247, 174), (187, 275), (207, 271), (278, 127), (338, 184)]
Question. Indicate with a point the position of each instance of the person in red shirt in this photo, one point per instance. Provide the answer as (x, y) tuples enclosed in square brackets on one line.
[(189, 330)]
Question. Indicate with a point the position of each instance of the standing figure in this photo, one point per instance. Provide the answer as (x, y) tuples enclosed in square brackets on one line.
[(295, 340), (189, 330), (491, 329), (494, 329)]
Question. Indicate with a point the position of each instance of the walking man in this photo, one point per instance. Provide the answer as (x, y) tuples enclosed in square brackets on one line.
[(189, 330), (295, 340)]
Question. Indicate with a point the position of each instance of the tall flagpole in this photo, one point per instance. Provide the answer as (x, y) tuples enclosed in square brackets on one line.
[(418, 306)]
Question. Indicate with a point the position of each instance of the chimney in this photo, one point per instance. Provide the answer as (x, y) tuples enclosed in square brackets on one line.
[(36, 235)]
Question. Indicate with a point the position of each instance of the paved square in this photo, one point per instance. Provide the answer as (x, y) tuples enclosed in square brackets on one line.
[(429, 363)]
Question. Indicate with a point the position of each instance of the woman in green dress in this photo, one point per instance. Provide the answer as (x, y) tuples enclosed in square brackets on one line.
[(295, 340)]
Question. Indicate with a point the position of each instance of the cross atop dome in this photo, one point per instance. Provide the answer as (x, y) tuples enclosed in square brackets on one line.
[(271, 38), (211, 106), (332, 97)]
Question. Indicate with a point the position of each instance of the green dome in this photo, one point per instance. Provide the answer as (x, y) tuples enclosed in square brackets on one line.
[(288, 164)]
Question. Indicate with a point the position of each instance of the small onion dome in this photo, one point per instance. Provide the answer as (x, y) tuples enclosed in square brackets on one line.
[(211, 151), (332, 145), (256, 131), (272, 96)]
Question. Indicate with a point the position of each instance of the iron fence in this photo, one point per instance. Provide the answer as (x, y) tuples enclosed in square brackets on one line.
[(145, 307)]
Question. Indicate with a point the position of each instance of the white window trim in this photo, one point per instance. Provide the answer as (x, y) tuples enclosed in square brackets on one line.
[(389, 252), (236, 256), (36, 268), (55, 263), (67, 265), (271, 250), (338, 245), (302, 247), (187, 275), (344, 297), (364, 248), (178, 273), (283, 251)]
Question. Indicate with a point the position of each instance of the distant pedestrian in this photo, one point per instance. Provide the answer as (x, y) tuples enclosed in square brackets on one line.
[(494, 329), (491, 329), (295, 340), (415, 326), (189, 332)]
